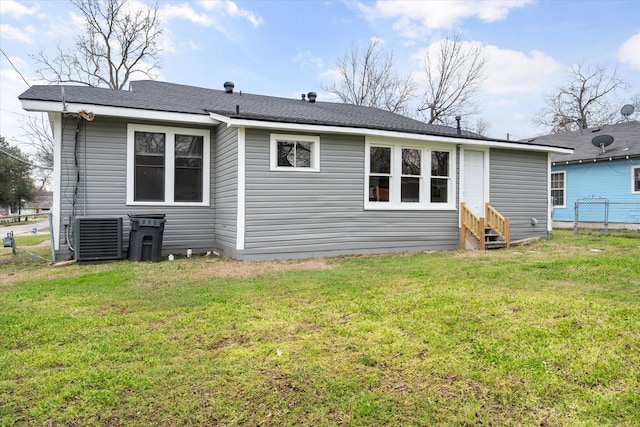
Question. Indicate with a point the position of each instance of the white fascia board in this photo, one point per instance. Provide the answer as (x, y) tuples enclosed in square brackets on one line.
[(297, 127), (133, 113)]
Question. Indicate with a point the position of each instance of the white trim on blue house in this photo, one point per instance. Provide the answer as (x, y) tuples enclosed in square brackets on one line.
[(564, 188), (633, 179)]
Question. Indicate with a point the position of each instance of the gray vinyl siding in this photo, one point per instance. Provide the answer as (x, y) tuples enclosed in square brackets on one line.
[(103, 174), (226, 190), (305, 214), (519, 181)]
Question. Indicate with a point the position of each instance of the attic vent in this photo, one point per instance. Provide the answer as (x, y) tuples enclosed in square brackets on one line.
[(228, 87), (312, 96), (98, 238)]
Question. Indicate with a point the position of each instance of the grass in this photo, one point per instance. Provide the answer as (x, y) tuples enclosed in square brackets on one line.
[(29, 249), (545, 335)]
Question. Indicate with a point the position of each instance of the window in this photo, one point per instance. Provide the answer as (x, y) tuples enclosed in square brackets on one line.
[(188, 175), (380, 175), (635, 179), (167, 165), (558, 189), (295, 152), (405, 177)]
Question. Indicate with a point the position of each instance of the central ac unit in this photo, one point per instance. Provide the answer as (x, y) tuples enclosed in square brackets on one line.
[(98, 238)]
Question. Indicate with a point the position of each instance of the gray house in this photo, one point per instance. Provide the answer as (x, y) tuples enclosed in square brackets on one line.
[(258, 177)]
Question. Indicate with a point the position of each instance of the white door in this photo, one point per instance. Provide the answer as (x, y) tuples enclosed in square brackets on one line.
[(473, 186)]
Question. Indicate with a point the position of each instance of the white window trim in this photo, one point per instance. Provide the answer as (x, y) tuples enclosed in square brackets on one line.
[(170, 133), (633, 183), (564, 188), (315, 154), (396, 173)]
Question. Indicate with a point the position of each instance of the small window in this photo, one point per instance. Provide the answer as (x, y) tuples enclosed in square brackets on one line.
[(558, 189), (439, 176), (635, 177), (380, 176), (295, 152), (188, 174), (411, 175), (150, 160)]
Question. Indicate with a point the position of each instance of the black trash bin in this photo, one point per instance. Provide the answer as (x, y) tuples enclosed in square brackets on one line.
[(145, 237)]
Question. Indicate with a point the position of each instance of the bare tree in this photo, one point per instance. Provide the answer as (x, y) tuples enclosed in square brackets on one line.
[(368, 78), (587, 99), (482, 126), (118, 40), (37, 131), (453, 75)]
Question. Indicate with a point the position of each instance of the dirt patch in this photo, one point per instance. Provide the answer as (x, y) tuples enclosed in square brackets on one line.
[(231, 269)]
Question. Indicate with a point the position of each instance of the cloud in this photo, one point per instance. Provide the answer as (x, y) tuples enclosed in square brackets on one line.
[(185, 11), (513, 72), (629, 52), (16, 9), (219, 9), (506, 71), (10, 32), (414, 19), (232, 9), (306, 58)]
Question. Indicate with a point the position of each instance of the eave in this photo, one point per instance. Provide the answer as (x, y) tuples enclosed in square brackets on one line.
[(313, 128), (109, 111), (592, 160)]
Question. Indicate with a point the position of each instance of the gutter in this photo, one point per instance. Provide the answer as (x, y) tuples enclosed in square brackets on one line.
[(314, 128), (103, 110), (594, 160)]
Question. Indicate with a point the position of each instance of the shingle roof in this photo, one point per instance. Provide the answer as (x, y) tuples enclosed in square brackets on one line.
[(171, 97), (626, 142)]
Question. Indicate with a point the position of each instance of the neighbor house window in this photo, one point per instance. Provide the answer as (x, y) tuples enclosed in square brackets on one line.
[(558, 189), (167, 165), (295, 152), (635, 179), (406, 177)]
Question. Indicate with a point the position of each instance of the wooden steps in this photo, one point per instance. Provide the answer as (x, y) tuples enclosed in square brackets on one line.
[(492, 239), (488, 232)]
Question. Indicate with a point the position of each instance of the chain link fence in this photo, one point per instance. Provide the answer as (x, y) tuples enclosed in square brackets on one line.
[(600, 216)]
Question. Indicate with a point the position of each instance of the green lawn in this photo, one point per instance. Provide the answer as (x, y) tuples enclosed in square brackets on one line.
[(546, 335)]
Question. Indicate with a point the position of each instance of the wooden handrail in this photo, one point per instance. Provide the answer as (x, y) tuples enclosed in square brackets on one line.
[(498, 222), (471, 222)]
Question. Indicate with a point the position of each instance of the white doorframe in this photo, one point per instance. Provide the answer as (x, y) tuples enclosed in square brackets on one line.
[(485, 176)]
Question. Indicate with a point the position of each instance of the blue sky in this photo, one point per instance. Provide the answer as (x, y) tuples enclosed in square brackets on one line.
[(286, 48)]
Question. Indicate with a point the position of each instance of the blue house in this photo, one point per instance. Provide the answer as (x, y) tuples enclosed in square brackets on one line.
[(603, 173)]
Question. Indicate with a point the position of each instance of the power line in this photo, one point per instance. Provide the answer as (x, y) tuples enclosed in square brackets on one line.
[(14, 67), (16, 157)]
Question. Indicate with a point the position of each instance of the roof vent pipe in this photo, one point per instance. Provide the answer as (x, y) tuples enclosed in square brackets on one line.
[(579, 121), (228, 87), (303, 96), (458, 128), (312, 96)]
